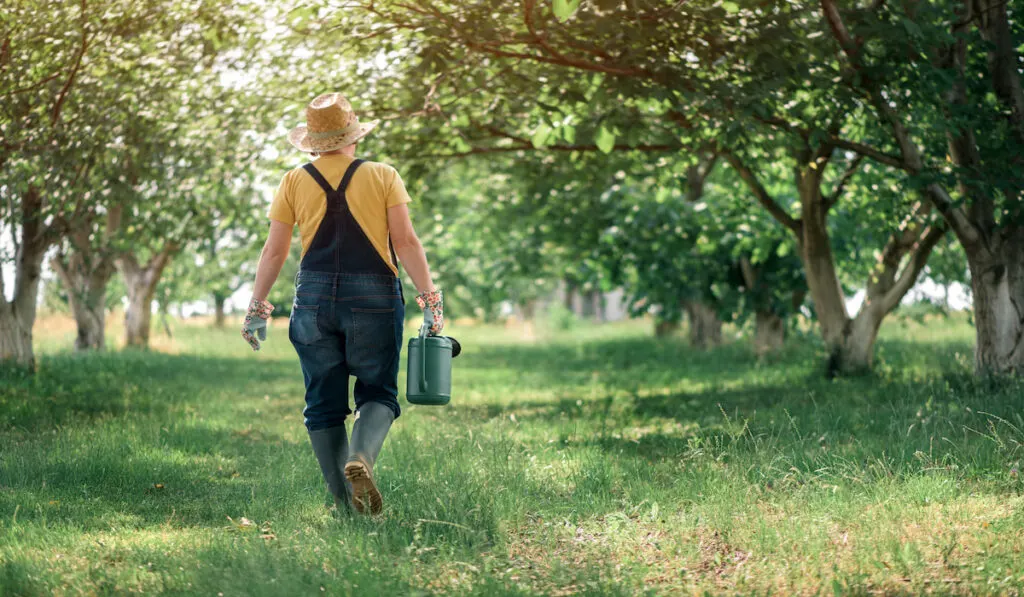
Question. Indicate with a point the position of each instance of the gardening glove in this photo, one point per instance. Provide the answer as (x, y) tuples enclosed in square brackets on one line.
[(256, 322), (432, 304)]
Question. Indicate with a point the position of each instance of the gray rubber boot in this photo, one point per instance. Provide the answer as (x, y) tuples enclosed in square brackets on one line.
[(331, 449), (373, 420)]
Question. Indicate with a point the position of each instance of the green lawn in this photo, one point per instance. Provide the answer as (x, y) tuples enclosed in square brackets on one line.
[(597, 461)]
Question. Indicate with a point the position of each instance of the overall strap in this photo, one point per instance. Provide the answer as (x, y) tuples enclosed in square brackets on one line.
[(348, 175), (319, 178)]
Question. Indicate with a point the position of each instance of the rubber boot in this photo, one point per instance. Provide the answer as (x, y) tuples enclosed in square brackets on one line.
[(331, 449), (373, 420)]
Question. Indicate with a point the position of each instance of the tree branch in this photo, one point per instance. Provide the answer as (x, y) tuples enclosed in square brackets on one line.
[(540, 41), (5, 53), (851, 169), (911, 161), (835, 22), (762, 195), (62, 96), (748, 272), (576, 63), (530, 147), (837, 141), (494, 48), (81, 216), (922, 249), (868, 151), (33, 86), (159, 260), (709, 166), (113, 224), (129, 266)]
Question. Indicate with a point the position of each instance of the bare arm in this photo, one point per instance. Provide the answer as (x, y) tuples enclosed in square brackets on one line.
[(408, 247), (275, 252)]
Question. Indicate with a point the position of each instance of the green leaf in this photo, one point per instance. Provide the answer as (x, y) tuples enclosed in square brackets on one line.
[(541, 135), (549, 107), (605, 140), (730, 7), (564, 9), (569, 133), (913, 30)]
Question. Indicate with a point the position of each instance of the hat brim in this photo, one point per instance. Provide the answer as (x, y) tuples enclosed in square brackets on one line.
[(299, 138)]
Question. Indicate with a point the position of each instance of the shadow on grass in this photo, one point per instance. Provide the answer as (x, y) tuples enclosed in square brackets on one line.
[(187, 474), (68, 386), (608, 357)]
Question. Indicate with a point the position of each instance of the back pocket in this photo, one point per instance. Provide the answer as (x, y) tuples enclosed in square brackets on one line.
[(372, 344), (303, 327)]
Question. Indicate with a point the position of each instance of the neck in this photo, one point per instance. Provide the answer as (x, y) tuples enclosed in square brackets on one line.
[(349, 150)]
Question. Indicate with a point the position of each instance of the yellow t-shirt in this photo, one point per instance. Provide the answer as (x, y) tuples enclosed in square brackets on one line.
[(373, 189)]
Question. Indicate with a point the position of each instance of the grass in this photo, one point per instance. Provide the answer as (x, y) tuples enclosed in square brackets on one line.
[(596, 461)]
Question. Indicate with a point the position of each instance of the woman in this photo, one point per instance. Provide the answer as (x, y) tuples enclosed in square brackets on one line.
[(348, 312)]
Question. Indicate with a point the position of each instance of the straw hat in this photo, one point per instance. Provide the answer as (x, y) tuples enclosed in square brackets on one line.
[(330, 124)]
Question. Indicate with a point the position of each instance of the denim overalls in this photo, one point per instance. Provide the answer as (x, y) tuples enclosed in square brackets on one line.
[(347, 317)]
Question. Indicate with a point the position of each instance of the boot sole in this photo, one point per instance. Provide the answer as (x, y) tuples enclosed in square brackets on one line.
[(366, 498)]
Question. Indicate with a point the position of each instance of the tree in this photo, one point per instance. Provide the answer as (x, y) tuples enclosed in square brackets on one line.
[(752, 84), (960, 61), (35, 87), (85, 273), (66, 133), (185, 195), (685, 241)]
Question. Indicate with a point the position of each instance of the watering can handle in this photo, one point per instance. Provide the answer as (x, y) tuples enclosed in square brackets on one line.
[(424, 330)]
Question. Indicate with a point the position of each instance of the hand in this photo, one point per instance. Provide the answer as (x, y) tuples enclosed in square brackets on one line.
[(256, 322), (432, 303)]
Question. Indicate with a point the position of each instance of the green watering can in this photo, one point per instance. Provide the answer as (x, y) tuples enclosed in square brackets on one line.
[(429, 376)]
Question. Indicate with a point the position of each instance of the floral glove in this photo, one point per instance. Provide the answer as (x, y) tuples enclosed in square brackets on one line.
[(256, 322), (432, 304)]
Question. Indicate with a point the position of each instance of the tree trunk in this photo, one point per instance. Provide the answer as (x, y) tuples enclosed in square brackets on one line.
[(597, 306), (705, 327), (529, 314), (592, 305), (665, 328), (141, 281), (85, 277), (823, 283), (19, 315), (139, 314), (854, 354), (769, 332), (91, 317), (996, 256), (998, 288), (992, 19), (769, 327), (819, 263), (569, 300), (850, 342), (165, 317), (218, 309), (586, 305), (16, 338)]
